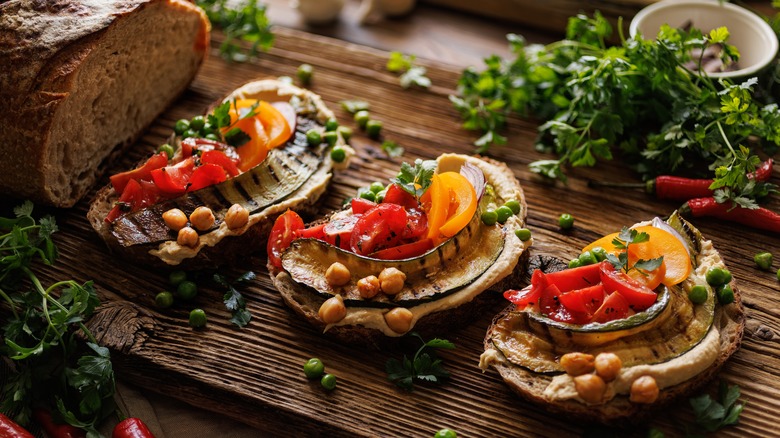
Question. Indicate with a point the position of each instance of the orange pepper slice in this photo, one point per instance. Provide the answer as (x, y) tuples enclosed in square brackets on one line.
[(464, 199), (677, 261), (436, 203), (267, 129)]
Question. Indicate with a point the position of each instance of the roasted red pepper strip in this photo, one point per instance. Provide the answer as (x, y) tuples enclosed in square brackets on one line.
[(760, 218), (56, 430), (131, 428), (10, 429)]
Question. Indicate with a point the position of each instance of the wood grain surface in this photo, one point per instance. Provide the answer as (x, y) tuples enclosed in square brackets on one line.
[(255, 374)]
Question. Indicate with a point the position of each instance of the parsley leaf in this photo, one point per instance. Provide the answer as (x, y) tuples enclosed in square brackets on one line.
[(624, 239), (410, 74), (392, 149), (425, 365), (234, 301), (242, 21), (713, 415), (416, 179)]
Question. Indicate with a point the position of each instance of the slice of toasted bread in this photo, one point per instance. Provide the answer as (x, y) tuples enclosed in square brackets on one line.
[(366, 325), (221, 245), (555, 391)]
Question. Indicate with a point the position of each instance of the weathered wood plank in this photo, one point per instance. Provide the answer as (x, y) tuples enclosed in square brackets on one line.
[(254, 374)]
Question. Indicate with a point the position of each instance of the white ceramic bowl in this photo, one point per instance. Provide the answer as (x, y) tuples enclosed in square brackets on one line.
[(749, 33)]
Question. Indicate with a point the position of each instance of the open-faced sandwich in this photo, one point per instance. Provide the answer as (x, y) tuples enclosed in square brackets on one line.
[(417, 257), (651, 314), (213, 193)]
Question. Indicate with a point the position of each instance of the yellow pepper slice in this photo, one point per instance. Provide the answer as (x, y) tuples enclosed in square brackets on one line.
[(463, 198)]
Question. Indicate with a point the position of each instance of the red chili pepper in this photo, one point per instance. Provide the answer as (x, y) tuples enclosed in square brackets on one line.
[(131, 428), (56, 430), (760, 218), (9, 429), (681, 189)]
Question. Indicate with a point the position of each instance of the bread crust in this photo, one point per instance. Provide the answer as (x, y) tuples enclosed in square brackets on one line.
[(618, 412), (54, 58)]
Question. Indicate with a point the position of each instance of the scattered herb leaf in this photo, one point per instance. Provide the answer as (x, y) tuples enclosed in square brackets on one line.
[(392, 149), (242, 21), (626, 238), (353, 106), (416, 179), (713, 415), (234, 301), (423, 366), (410, 74)]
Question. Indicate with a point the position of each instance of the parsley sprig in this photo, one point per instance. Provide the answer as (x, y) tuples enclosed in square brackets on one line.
[(51, 365), (221, 120), (626, 238), (416, 179), (411, 74), (424, 366), (637, 97), (243, 20), (713, 415), (233, 299)]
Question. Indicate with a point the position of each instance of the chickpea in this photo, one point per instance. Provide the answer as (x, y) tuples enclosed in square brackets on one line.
[(391, 280), (333, 310), (202, 218), (236, 217), (187, 237), (608, 366), (590, 388), (399, 319), (337, 275), (644, 390), (175, 219), (577, 364), (368, 287)]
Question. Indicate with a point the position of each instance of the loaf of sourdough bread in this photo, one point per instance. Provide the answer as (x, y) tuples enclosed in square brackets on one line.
[(81, 79)]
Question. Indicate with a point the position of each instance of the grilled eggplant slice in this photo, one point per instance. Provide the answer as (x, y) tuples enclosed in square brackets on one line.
[(677, 343), (291, 177)]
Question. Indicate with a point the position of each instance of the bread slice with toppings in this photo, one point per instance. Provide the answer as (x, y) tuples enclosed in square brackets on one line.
[(293, 176), (80, 81), (440, 289), (674, 347)]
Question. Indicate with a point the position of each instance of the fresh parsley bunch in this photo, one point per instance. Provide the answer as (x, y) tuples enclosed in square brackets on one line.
[(241, 21), (637, 96), (424, 366), (52, 365)]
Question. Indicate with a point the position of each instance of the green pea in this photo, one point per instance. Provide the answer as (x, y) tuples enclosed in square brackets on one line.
[(367, 194), (778, 275), (313, 137), (380, 196), (345, 131), (328, 381), (191, 133), (587, 258), (163, 299), (446, 433), (600, 253), (330, 137), (523, 234), (207, 129), (697, 294), (513, 205), (376, 187), (168, 149), (566, 221), (489, 217), (176, 277), (212, 136), (575, 263), (338, 154), (197, 123), (187, 290), (373, 128), (181, 126), (763, 260), (503, 214), (718, 276), (313, 368), (361, 118), (725, 294), (198, 318), (332, 124), (304, 73)]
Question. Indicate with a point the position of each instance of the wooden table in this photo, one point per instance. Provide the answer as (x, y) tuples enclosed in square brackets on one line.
[(254, 374)]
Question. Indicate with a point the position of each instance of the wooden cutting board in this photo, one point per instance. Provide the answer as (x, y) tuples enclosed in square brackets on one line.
[(255, 374)]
